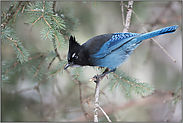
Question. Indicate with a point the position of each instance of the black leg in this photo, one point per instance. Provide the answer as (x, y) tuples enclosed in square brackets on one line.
[(97, 77)]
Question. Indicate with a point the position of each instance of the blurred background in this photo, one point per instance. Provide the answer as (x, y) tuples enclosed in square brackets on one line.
[(58, 99)]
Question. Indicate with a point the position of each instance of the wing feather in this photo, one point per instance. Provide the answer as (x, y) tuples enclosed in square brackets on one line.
[(117, 40)]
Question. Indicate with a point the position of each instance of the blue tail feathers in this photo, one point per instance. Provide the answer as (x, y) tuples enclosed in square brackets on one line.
[(158, 32)]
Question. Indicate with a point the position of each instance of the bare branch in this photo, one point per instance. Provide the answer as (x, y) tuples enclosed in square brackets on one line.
[(128, 16), (97, 90), (122, 11), (81, 101), (104, 113)]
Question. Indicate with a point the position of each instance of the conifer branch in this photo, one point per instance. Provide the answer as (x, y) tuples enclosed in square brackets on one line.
[(57, 39), (11, 39), (37, 20), (38, 68), (11, 14), (19, 62), (53, 39), (19, 48), (35, 10), (47, 33), (16, 13), (12, 7), (53, 18), (42, 16), (11, 67), (56, 71), (131, 83), (47, 22)]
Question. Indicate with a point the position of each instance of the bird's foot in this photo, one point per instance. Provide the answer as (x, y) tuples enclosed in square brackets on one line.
[(97, 78)]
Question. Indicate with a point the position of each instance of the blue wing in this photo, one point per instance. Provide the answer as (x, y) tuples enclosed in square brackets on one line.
[(117, 40), (131, 39)]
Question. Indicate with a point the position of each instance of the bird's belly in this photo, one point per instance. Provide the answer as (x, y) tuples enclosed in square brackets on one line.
[(112, 60)]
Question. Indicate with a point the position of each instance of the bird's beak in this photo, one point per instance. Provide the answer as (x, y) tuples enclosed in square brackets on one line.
[(68, 64)]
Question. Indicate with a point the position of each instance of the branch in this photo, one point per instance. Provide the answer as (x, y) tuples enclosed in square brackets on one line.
[(97, 90), (122, 11), (81, 102), (54, 44), (53, 6), (128, 16), (19, 62), (104, 113), (11, 14), (158, 97)]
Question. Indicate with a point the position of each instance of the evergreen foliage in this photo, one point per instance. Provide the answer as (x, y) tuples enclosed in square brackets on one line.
[(56, 26), (129, 84)]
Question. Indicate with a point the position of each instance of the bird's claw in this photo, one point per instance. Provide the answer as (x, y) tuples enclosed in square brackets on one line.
[(96, 78)]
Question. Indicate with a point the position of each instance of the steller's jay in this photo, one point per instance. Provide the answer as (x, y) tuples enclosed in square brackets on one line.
[(108, 50)]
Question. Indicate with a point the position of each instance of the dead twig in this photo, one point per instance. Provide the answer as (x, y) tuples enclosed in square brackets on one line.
[(104, 113), (128, 16)]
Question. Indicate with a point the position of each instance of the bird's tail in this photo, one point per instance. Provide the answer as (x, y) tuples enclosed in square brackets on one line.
[(158, 32)]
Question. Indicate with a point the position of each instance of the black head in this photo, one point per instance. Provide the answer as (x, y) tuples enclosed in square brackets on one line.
[(76, 54)]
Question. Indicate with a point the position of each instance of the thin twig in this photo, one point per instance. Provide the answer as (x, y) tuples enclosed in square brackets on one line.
[(97, 90), (128, 16), (122, 11), (16, 13), (51, 63), (11, 8), (54, 6), (41, 98), (38, 68), (57, 39), (104, 113), (81, 102)]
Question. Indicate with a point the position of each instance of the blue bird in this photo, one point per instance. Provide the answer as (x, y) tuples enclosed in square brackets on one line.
[(108, 50)]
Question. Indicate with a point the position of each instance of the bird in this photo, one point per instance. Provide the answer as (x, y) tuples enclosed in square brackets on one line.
[(108, 50)]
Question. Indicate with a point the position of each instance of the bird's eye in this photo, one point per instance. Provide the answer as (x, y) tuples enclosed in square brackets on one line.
[(74, 55)]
